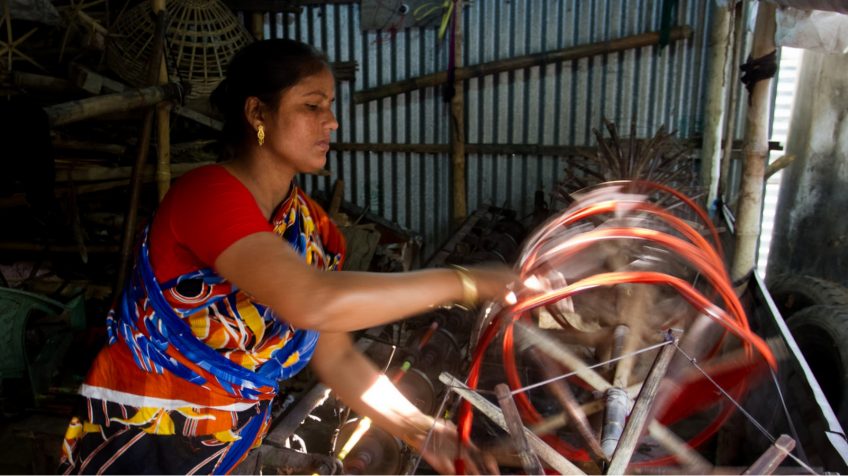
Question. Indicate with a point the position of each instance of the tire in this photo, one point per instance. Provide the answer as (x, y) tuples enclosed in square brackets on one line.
[(821, 332), (793, 293)]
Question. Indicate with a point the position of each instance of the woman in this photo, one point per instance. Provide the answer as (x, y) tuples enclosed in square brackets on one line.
[(218, 310)]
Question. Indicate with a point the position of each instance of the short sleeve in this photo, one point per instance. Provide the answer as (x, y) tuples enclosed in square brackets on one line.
[(209, 210)]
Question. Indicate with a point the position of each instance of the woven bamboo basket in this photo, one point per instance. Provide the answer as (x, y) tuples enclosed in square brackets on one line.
[(201, 37)]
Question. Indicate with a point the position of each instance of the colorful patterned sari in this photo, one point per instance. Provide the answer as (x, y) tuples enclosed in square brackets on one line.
[(191, 366)]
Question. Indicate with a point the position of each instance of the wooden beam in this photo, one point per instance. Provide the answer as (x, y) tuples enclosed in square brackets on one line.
[(459, 207), (496, 149), (721, 38), (756, 151), (55, 247), (779, 165), (94, 82), (521, 62), (136, 178), (82, 109), (43, 83)]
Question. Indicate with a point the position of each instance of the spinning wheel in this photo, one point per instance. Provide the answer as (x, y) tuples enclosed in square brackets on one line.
[(625, 299)]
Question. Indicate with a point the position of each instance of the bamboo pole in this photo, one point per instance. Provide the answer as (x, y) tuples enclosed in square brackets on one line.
[(80, 110), (163, 123), (257, 25), (733, 81), (537, 59), (336, 199), (163, 162), (42, 83), (781, 163), (489, 148), (485, 149), (88, 146), (460, 207), (641, 411), (96, 173), (720, 45), (143, 149), (94, 82), (54, 247), (756, 151)]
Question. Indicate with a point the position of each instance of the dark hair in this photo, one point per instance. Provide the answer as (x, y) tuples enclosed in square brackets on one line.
[(263, 69)]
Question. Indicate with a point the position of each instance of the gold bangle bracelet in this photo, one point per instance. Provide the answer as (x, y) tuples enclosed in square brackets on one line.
[(470, 293)]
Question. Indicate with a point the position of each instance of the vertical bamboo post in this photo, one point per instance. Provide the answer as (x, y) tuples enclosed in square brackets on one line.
[(10, 45), (733, 81), (143, 149), (756, 151), (163, 163), (720, 46), (257, 25), (460, 209), (163, 122)]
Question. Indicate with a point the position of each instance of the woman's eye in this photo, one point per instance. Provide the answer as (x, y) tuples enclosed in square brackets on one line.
[(312, 107)]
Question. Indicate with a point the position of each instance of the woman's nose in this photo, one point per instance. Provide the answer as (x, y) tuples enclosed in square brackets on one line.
[(331, 122)]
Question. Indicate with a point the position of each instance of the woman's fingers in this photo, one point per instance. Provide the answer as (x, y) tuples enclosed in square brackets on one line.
[(441, 452), (492, 280)]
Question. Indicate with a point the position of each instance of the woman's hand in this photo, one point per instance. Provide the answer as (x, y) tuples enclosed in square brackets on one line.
[(441, 452), (492, 281)]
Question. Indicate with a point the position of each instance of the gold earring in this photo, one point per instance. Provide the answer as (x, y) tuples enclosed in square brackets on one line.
[(260, 135)]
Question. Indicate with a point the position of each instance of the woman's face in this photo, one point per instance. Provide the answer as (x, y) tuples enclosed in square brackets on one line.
[(298, 131)]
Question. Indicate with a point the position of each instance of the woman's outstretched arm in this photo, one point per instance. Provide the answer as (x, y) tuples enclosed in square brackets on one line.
[(269, 270)]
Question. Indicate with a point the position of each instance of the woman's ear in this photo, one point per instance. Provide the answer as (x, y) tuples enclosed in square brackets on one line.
[(254, 111)]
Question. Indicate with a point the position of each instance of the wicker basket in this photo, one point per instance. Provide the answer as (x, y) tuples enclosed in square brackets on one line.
[(201, 37)]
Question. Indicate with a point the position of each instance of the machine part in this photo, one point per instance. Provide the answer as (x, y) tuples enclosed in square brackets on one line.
[(271, 460), (771, 459), (639, 415), (617, 408), (418, 389), (793, 293), (376, 452), (547, 454), (635, 263), (440, 353), (36, 333)]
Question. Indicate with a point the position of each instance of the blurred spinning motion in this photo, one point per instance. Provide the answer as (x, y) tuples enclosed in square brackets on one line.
[(625, 271)]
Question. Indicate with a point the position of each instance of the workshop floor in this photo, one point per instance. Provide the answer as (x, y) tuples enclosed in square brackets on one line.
[(30, 443)]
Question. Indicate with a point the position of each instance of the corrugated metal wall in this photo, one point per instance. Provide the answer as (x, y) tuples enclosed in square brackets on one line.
[(557, 104)]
